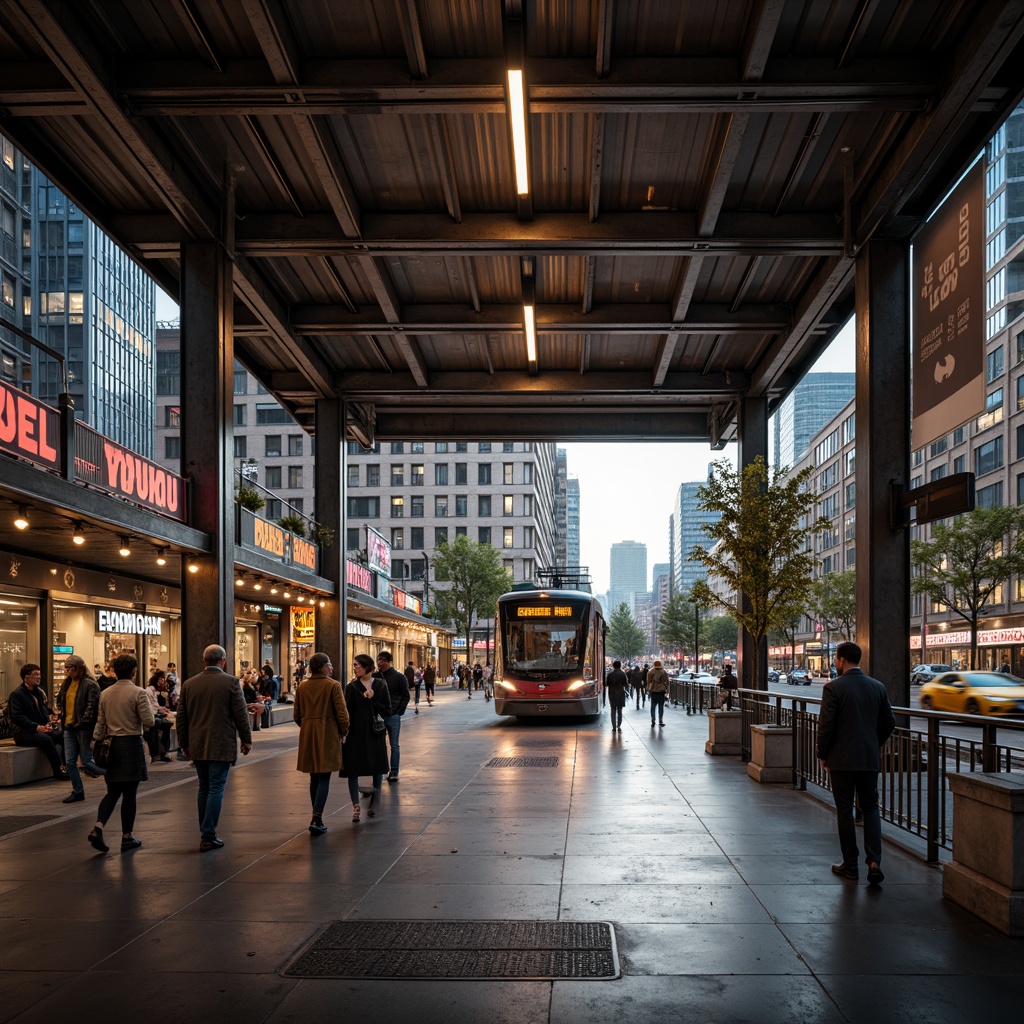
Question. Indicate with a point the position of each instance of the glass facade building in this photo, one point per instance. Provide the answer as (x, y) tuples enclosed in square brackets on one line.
[(805, 410)]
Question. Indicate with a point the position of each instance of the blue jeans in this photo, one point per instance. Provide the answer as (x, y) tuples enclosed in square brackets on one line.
[(657, 705), (72, 745), (213, 776), (393, 724)]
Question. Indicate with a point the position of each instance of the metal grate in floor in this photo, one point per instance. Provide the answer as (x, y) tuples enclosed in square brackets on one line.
[(555, 742), (453, 950), (11, 823), (522, 762)]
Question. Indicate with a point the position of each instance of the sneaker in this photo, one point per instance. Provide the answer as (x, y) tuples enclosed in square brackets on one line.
[(95, 838), (393, 777), (181, 756), (416, 710), (211, 844), (317, 827), (875, 876), (848, 874), (130, 843), (73, 798)]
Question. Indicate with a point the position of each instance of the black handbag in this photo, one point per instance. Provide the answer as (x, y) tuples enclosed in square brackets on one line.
[(378, 723), (101, 751)]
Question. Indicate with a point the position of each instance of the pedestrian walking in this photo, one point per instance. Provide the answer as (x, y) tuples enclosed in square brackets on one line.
[(855, 720), (79, 703), (657, 690), (398, 690), (212, 718), (414, 678), (616, 684), (636, 686), (124, 714), (322, 717), (429, 679), (366, 752)]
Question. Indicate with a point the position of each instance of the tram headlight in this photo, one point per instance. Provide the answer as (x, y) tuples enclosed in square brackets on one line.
[(506, 686), (578, 685)]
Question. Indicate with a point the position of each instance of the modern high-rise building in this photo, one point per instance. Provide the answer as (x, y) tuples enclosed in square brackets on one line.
[(628, 573), (686, 523), (659, 569), (572, 521), (68, 285), (560, 518), (805, 410)]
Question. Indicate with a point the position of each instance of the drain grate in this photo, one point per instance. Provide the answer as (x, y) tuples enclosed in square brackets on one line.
[(11, 823), (522, 762), (453, 950), (539, 743)]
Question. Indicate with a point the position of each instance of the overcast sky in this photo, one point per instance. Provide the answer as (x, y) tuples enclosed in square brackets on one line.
[(627, 490)]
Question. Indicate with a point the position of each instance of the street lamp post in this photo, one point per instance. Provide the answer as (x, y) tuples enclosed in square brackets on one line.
[(426, 581)]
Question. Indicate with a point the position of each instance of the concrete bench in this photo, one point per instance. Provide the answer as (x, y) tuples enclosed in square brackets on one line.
[(21, 764), (281, 713)]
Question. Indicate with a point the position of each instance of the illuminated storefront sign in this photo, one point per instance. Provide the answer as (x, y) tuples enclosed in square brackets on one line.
[(29, 428), (270, 539), (378, 552), (110, 621)]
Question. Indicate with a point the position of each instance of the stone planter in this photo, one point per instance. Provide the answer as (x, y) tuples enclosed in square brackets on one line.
[(723, 733), (771, 753)]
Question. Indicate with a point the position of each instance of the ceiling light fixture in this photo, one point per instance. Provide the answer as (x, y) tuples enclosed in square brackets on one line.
[(273, 589), (77, 534), (287, 595), (21, 521), (517, 117), (239, 580), (161, 556), (257, 585), (192, 566), (125, 549), (529, 291)]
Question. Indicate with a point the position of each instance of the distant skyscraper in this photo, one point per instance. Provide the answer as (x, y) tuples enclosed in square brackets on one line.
[(572, 515), (561, 524), (628, 573), (807, 408), (686, 523), (659, 569)]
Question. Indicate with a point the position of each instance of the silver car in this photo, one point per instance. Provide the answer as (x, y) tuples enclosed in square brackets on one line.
[(926, 673)]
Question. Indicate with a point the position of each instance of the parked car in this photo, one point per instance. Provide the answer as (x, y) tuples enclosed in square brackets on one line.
[(926, 673), (773, 676), (974, 693), (799, 677)]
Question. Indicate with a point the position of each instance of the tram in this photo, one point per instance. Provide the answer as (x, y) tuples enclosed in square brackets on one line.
[(549, 654)]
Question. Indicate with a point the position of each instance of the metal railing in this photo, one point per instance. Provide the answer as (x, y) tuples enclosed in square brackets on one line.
[(697, 697), (914, 791)]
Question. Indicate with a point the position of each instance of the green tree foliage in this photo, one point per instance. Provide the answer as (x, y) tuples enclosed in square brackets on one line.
[(785, 634), (967, 560), (759, 547), (676, 626), (625, 637), (835, 603), (477, 579), (719, 633)]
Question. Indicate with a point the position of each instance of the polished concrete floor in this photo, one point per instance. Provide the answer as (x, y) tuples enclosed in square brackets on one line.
[(718, 888)]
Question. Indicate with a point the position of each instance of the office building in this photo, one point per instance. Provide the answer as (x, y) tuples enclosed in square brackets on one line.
[(628, 574), (805, 410), (572, 521), (560, 513), (685, 524)]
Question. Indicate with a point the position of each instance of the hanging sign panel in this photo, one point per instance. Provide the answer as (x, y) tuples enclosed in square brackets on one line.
[(949, 312)]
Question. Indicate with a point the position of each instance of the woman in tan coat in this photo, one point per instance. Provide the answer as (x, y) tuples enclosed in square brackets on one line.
[(322, 718)]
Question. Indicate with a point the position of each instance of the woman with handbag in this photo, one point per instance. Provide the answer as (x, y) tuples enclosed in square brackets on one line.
[(366, 751), (322, 717), (124, 716)]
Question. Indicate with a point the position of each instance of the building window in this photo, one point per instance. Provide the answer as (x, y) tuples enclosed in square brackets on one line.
[(1020, 490), (461, 531), (528, 568), (168, 379), (239, 415), (527, 504), (240, 447), (527, 472), (441, 474), (417, 474), (960, 464), (506, 503), (508, 446), (485, 446), (993, 411), (991, 496), (958, 435), (172, 447), (364, 508), (483, 506), (397, 538), (441, 448), (273, 509), (397, 475), (416, 537), (461, 506), (271, 413), (483, 471), (352, 538), (988, 457), (483, 534), (416, 447), (851, 495), (373, 475), (353, 476), (507, 472), (272, 477), (417, 567), (461, 446), (938, 473), (508, 537), (172, 416), (416, 511), (461, 474), (528, 539), (510, 565), (272, 445), (397, 447), (241, 382), (441, 506), (294, 445), (440, 536), (295, 478), (397, 508), (1020, 393), (937, 447), (994, 365), (297, 505)]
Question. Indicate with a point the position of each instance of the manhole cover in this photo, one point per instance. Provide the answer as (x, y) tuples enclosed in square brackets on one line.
[(453, 950), (10, 823), (522, 762)]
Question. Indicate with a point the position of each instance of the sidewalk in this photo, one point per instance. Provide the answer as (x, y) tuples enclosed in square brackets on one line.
[(719, 890)]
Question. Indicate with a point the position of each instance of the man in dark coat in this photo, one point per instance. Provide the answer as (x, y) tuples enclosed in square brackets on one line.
[(32, 718), (212, 716), (855, 720), (398, 688), (616, 684)]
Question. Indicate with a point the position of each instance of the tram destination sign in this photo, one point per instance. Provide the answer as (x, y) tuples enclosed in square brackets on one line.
[(540, 611)]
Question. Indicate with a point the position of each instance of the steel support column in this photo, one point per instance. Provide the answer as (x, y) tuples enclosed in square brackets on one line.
[(752, 434), (329, 475), (207, 432), (883, 458)]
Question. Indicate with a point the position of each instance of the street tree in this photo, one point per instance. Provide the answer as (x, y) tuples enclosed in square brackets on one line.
[(784, 635), (476, 580), (718, 634), (760, 547), (625, 637), (676, 626), (968, 560), (835, 602)]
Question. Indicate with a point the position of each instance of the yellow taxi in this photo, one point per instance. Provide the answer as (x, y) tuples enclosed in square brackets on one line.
[(975, 693)]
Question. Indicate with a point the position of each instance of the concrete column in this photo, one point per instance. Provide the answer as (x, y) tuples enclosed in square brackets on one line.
[(752, 432), (207, 432), (329, 474), (883, 458)]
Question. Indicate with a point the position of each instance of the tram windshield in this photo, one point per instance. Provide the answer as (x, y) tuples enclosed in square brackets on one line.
[(540, 644)]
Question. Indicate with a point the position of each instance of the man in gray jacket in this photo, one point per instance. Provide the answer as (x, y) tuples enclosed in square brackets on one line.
[(855, 720), (212, 716)]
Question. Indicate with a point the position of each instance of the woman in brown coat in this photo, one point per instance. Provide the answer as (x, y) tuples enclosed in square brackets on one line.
[(322, 718)]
